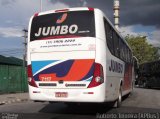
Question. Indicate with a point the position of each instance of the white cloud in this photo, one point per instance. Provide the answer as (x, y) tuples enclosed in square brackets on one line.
[(152, 37), (20, 11), (50, 6), (130, 30), (15, 15), (10, 32), (155, 38), (127, 30)]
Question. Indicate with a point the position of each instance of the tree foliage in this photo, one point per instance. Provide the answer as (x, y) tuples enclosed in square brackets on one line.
[(144, 51)]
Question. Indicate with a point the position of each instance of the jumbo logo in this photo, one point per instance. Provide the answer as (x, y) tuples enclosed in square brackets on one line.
[(62, 18), (57, 30), (115, 67)]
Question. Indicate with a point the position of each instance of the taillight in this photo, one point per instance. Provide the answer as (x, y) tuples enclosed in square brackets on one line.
[(31, 81), (36, 14), (91, 9), (29, 71), (98, 77)]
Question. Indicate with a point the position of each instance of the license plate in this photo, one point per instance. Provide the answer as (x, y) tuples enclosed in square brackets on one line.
[(61, 94)]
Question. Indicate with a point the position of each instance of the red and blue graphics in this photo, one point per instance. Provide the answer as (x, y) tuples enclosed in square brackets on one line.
[(68, 70)]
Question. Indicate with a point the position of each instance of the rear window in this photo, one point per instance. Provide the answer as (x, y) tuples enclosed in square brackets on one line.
[(66, 24)]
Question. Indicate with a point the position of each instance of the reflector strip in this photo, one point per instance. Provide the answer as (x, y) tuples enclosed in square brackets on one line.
[(88, 93), (47, 84), (36, 92)]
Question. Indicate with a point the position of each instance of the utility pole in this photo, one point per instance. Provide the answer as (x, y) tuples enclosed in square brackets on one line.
[(41, 5), (24, 61), (25, 45), (116, 14)]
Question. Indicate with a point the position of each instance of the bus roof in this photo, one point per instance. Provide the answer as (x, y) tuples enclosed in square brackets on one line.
[(64, 10)]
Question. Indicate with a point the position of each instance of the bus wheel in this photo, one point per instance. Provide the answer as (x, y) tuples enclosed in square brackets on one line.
[(119, 100)]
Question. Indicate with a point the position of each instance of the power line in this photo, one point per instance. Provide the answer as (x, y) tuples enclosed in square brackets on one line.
[(11, 53), (12, 50)]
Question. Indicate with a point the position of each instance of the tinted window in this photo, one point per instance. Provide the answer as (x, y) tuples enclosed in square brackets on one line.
[(109, 36), (76, 23), (122, 49), (116, 44)]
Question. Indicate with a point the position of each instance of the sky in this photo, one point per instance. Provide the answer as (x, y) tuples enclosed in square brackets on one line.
[(137, 17)]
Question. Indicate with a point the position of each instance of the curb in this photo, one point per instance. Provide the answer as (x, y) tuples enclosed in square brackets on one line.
[(12, 101)]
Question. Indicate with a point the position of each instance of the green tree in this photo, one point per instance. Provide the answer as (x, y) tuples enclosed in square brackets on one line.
[(144, 51)]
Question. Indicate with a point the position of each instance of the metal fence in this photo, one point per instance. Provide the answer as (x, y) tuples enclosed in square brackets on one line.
[(13, 79)]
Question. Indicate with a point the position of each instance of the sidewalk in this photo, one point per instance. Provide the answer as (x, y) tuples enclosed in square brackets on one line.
[(13, 98)]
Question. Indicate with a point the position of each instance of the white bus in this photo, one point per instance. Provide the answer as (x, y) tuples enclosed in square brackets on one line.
[(76, 55)]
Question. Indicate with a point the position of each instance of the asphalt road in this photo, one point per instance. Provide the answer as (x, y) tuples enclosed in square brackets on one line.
[(143, 103)]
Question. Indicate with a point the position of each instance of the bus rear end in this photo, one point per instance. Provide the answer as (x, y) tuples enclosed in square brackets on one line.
[(62, 63)]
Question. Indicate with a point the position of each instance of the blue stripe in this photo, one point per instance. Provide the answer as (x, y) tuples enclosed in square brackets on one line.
[(37, 65), (60, 69)]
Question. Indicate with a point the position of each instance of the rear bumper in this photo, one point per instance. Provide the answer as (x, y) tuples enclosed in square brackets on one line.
[(74, 95)]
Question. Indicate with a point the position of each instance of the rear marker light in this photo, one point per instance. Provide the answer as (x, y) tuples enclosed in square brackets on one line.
[(90, 9), (88, 93), (36, 14), (63, 10)]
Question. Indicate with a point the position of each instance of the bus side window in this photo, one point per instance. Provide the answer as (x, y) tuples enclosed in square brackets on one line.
[(109, 36), (116, 44), (126, 54), (130, 56), (122, 52), (128, 59), (121, 47)]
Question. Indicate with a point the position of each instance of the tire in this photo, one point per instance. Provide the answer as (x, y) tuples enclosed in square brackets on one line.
[(119, 100), (132, 89)]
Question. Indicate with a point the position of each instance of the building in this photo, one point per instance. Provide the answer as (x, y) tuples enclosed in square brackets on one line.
[(13, 77)]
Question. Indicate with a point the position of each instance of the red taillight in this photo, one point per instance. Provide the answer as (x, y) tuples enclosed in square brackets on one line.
[(91, 9), (31, 81), (98, 77), (29, 71), (36, 14)]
